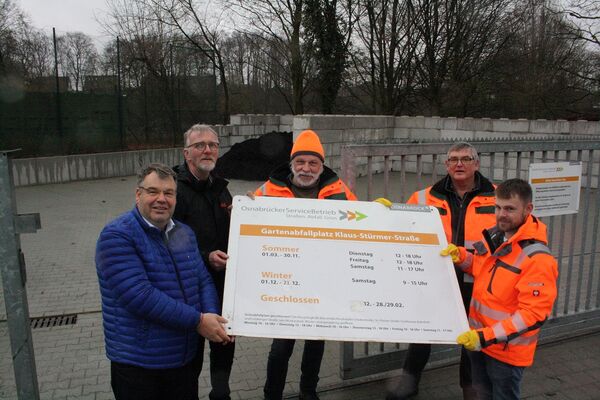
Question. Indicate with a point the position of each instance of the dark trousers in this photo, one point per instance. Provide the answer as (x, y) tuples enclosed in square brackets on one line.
[(418, 354), (221, 361), (221, 356), (277, 366), (129, 382), (494, 379)]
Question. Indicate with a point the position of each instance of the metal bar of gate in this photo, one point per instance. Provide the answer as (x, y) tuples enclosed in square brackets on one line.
[(576, 278), (434, 161), (571, 256), (15, 293), (586, 210)]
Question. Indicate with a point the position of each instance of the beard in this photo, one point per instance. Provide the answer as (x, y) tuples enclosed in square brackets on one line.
[(510, 227), (205, 166), (301, 179)]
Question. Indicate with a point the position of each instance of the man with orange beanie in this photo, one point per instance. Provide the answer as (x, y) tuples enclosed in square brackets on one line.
[(304, 177)]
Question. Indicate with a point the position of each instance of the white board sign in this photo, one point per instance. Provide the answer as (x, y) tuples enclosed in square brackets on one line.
[(340, 270)]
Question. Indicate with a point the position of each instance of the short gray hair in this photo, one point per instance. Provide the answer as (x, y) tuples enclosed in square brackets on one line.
[(197, 128), (462, 146), (163, 171)]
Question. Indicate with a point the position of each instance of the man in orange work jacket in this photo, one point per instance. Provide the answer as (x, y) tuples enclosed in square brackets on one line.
[(304, 177), (465, 200), (515, 288)]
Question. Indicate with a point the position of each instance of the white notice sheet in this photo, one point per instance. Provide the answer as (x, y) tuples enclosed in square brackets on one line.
[(556, 187)]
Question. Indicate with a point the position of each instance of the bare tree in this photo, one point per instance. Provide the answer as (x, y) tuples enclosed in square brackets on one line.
[(384, 56), (144, 34), (189, 18), (279, 22), (78, 57), (35, 54), (458, 37), (13, 25), (586, 14), (236, 50), (582, 20), (539, 74), (146, 58)]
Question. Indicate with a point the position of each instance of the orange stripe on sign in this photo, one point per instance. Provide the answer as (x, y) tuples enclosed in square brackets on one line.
[(339, 234), (554, 180)]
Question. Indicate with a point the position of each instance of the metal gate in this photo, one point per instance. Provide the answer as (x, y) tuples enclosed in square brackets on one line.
[(400, 169)]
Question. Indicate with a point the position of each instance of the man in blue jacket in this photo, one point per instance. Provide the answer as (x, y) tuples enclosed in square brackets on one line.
[(157, 295)]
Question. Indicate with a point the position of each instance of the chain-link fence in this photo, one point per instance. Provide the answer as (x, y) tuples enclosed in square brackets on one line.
[(122, 103)]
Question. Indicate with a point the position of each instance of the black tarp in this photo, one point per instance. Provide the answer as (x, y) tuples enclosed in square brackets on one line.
[(253, 159)]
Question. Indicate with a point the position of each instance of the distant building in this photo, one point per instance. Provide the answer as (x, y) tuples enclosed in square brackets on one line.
[(47, 84), (100, 84)]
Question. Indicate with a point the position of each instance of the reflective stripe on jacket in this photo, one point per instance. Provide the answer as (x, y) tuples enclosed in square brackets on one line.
[(330, 185), (479, 215), (513, 294)]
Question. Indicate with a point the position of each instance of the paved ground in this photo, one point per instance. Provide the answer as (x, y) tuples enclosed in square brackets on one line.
[(70, 359)]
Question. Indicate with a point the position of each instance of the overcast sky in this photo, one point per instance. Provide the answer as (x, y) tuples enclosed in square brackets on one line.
[(66, 15)]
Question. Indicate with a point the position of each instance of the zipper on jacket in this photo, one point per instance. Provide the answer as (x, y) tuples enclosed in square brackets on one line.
[(166, 242), (493, 271), (460, 222)]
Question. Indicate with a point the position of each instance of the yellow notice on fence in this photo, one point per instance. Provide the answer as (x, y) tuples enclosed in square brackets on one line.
[(340, 270), (556, 187)]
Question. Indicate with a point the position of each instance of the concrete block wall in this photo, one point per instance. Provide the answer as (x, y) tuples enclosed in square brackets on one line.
[(46, 170), (381, 129)]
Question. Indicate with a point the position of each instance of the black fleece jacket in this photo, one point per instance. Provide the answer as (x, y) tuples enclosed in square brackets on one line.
[(204, 206)]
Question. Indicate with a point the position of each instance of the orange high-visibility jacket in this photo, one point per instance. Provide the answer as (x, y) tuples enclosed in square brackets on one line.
[(514, 290), (330, 185), (479, 214)]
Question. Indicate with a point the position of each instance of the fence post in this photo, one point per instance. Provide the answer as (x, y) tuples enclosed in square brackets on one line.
[(12, 268)]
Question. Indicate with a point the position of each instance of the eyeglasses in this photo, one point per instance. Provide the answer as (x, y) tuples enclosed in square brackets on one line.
[(201, 146), (463, 160), (153, 192)]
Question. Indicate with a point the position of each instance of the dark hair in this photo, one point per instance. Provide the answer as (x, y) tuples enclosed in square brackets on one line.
[(161, 170), (512, 187)]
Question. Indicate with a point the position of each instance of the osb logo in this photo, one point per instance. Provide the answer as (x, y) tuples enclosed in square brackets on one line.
[(349, 215)]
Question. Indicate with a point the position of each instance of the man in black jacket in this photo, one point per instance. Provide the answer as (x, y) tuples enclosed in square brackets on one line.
[(203, 203), (466, 202)]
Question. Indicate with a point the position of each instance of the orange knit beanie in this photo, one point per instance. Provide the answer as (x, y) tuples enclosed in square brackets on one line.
[(308, 143)]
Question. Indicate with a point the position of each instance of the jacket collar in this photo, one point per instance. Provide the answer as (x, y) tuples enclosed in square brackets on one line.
[(148, 227), (483, 186), (532, 228), (214, 183)]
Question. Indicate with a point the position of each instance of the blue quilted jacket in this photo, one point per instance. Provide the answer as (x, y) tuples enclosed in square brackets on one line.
[(153, 291)]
